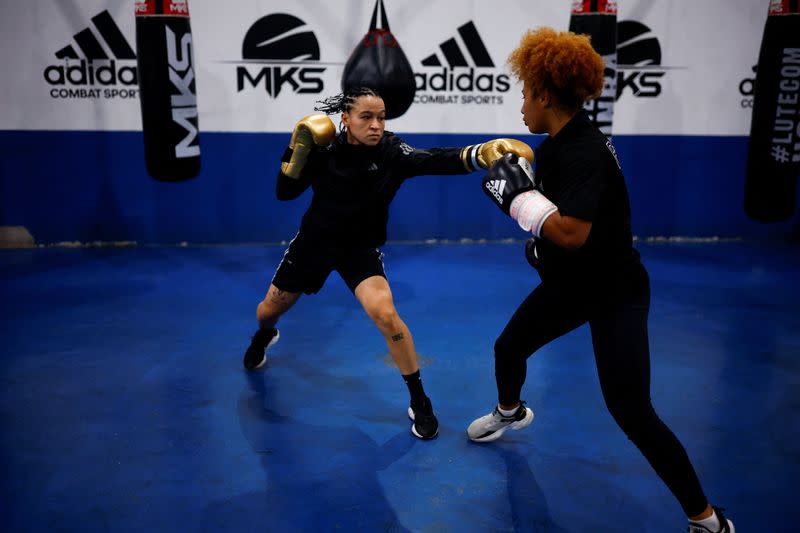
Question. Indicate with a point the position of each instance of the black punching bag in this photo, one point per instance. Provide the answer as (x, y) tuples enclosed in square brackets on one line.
[(598, 20), (379, 63), (773, 156), (167, 89)]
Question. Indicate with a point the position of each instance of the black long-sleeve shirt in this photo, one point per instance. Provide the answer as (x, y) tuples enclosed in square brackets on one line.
[(354, 184)]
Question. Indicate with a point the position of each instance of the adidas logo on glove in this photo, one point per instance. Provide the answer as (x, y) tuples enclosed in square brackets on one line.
[(496, 188)]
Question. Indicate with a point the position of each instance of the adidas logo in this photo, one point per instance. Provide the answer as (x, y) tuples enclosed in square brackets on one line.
[(373, 166), (452, 52), (116, 46), (102, 41), (457, 59), (496, 188)]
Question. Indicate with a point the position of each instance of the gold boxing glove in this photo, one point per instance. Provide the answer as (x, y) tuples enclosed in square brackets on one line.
[(483, 155), (310, 131)]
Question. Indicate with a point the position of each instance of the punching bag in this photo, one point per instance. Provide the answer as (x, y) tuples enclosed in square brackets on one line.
[(598, 20), (167, 91), (773, 155), (379, 63)]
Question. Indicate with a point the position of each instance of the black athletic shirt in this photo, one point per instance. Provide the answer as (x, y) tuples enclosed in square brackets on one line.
[(580, 173), (354, 184)]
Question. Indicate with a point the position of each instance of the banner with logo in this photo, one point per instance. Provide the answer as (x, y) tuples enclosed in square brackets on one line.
[(773, 160), (684, 67)]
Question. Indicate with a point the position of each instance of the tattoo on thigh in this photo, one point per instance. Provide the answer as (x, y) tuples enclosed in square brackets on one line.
[(397, 337)]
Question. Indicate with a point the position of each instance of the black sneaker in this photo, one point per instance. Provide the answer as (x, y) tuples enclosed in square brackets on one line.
[(725, 525), (425, 425), (256, 354)]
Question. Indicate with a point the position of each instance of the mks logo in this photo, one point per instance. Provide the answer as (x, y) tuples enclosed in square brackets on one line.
[(179, 6), (170, 7), (95, 61), (286, 47), (639, 60), (184, 104)]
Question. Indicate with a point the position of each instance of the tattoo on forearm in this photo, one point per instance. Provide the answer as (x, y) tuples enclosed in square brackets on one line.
[(397, 337)]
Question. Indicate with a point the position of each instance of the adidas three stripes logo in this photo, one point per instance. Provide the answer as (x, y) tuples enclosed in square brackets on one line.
[(496, 188), (104, 31), (92, 48), (454, 55)]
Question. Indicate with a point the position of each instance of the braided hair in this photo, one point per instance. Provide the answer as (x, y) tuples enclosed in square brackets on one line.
[(343, 102)]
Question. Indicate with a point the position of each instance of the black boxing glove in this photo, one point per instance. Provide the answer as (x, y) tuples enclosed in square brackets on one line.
[(531, 254), (508, 176), (510, 185)]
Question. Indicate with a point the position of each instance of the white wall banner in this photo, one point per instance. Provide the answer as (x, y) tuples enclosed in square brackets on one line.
[(685, 66)]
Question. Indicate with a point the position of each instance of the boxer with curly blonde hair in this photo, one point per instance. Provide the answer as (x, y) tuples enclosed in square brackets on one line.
[(560, 63), (577, 209)]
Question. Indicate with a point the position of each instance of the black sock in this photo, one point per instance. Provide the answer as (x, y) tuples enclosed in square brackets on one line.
[(414, 383), (262, 336)]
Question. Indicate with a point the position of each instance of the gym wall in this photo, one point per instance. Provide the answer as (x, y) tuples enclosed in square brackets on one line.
[(71, 148)]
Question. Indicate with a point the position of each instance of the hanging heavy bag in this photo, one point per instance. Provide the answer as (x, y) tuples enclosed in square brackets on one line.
[(598, 20), (165, 63), (379, 63), (773, 156)]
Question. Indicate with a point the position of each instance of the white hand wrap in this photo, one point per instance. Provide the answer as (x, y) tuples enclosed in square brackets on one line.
[(530, 209)]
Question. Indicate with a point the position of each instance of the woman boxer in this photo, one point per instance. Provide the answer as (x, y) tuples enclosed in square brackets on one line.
[(578, 210), (354, 179)]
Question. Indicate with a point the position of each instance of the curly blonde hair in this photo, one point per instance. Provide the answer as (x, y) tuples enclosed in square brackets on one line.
[(562, 63)]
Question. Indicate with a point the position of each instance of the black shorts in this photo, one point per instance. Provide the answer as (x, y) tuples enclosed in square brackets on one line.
[(306, 265)]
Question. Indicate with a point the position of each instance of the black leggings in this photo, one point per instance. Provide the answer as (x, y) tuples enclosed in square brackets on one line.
[(622, 355)]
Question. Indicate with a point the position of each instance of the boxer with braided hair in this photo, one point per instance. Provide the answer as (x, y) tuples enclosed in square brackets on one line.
[(343, 102), (354, 176), (578, 211)]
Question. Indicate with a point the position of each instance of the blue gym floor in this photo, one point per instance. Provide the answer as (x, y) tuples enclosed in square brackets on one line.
[(124, 405)]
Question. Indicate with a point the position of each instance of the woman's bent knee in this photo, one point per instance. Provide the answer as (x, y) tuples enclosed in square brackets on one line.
[(504, 349), (385, 317)]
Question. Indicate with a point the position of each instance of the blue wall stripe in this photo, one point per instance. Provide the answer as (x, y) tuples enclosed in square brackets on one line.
[(89, 186)]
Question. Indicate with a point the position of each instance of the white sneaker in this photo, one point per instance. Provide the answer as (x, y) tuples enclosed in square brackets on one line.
[(725, 525), (491, 427)]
